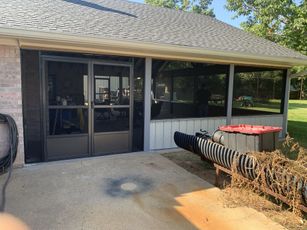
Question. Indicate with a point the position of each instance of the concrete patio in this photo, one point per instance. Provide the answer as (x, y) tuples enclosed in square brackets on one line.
[(127, 191)]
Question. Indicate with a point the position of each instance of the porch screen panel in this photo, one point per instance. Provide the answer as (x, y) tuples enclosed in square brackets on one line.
[(32, 106), (138, 104), (188, 89), (67, 86), (258, 91)]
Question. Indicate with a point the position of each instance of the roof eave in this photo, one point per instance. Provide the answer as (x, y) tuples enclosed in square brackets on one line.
[(56, 41)]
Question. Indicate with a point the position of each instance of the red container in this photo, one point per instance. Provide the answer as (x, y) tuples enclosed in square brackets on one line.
[(249, 129), (250, 138)]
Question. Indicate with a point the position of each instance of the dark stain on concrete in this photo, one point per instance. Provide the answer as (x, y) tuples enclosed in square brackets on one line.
[(114, 187), (154, 166)]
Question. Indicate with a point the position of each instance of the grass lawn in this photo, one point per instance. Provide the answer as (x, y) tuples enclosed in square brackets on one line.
[(297, 121), (272, 105)]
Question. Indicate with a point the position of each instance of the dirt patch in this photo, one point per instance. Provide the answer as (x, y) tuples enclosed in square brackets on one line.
[(238, 197), (193, 164)]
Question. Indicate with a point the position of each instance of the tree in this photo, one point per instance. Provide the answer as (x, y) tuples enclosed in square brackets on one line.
[(281, 21), (197, 6)]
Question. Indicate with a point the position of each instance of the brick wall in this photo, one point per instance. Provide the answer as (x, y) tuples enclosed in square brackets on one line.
[(10, 92)]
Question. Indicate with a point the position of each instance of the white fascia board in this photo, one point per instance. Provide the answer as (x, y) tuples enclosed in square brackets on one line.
[(25, 36)]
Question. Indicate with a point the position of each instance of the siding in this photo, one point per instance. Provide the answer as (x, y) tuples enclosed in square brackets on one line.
[(162, 131)]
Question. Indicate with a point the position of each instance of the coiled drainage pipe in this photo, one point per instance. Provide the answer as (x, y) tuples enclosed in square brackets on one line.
[(6, 162), (245, 164), (9, 157)]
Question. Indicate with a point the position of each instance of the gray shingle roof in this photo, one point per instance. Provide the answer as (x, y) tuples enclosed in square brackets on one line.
[(118, 19)]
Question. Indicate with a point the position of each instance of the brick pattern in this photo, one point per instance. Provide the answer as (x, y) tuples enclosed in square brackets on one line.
[(10, 92)]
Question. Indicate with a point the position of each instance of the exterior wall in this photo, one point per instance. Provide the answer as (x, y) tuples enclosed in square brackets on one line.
[(162, 131), (10, 92)]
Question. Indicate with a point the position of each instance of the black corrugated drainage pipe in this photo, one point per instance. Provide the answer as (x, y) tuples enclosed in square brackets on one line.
[(245, 164), (8, 151), (8, 155)]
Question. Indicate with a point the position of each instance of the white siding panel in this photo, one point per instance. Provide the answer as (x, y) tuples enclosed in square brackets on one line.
[(235, 121), (162, 131), (204, 125), (190, 127), (269, 120), (167, 134), (175, 127), (197, 125), (218, 123), (152, 134), (223, 122), (159, 135), (211, 126), (182, 125)]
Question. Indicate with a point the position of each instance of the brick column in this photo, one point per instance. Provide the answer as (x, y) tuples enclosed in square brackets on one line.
[(10, 92)]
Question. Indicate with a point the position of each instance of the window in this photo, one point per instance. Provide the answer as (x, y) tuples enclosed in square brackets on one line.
[(188, 89), (258, 91)]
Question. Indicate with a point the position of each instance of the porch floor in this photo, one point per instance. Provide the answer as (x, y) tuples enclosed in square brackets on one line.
[(127, 191)]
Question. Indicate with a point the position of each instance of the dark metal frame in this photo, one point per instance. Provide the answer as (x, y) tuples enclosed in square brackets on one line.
[(91, 106)]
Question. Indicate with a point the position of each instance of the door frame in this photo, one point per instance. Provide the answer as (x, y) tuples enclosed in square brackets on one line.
[(92, 105), (90, 67)]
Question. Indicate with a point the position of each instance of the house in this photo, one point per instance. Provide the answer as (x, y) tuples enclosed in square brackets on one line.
[(95, 77)]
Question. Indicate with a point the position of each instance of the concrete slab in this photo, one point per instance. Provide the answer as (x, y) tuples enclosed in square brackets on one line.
[(127, 191)]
